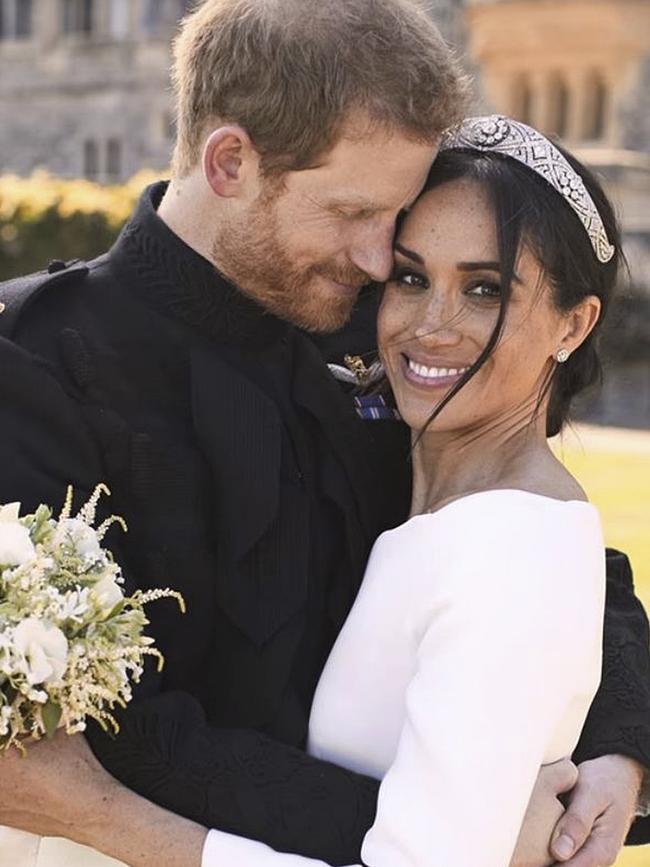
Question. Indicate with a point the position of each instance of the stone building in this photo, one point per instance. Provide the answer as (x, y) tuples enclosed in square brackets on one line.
[(580, 69), (84, 86)]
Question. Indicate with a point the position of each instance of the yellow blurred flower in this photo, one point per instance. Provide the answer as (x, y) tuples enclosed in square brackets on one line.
[(29, 199)]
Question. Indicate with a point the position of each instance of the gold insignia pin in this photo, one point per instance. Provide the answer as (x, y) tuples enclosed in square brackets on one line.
[(356, 365)]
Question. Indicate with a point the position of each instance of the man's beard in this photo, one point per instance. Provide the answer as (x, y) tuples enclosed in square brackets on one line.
[(252, 255)]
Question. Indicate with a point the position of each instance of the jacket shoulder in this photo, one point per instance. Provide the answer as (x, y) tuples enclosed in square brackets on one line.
[(17, 295)]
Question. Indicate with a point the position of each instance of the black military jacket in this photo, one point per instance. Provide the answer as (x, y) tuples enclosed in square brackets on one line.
[(250, 484)]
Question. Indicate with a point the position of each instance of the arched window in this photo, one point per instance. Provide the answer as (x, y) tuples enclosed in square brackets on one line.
[(595, 115), (558, 103), (522, 99), (16, 19), (23, 19), (78, 16), (86, 16), (113, 159), (67, 15), (91, 159)]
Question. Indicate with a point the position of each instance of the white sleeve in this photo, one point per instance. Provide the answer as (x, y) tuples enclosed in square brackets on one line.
[(510, 652)]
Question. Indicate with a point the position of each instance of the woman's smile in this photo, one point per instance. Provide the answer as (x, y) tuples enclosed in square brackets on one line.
[(432, 373)]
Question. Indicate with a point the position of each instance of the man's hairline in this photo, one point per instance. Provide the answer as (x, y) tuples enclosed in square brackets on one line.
[(353, 127)]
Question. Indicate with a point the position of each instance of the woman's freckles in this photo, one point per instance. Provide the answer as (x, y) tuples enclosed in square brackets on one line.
[(441, 307)]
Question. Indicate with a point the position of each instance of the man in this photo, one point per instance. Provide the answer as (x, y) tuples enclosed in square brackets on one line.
[(177, 369)]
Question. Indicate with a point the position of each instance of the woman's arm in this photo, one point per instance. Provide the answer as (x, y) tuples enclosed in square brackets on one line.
[(511, 644)]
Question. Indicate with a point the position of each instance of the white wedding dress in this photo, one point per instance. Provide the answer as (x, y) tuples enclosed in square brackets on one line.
[(25, 850), (469, 659)]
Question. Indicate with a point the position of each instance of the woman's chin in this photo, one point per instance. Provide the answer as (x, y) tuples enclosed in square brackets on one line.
[(414, 410), (420, 422)]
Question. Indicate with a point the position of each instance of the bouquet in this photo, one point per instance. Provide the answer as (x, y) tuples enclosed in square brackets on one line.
[(71, 643)]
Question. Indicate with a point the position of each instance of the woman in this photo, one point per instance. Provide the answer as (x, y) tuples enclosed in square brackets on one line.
[(473, 651)]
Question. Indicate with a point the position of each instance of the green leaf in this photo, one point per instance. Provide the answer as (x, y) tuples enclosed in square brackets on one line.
[(116, 610), (51, 718), (40, 528)]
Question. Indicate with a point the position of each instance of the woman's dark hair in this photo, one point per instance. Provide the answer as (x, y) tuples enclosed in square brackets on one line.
[(527, 209)]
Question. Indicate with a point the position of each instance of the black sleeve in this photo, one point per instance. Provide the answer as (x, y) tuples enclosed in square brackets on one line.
[(44, 443), (619, 719), (238, 781)]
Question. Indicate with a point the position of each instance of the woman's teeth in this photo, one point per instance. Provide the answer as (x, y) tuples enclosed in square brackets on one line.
[(436, 372)]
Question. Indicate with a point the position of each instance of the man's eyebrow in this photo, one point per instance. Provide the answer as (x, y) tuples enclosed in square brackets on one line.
[(410, 254), (484, 266)]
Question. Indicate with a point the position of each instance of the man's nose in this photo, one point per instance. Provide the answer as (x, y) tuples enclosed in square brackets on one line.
[(372, 252)]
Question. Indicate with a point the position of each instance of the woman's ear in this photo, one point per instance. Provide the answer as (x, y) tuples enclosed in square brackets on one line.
[(229, 159), (580, 322)]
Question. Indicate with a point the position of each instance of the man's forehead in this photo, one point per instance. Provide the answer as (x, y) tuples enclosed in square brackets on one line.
[(394, 150), (367, 174)]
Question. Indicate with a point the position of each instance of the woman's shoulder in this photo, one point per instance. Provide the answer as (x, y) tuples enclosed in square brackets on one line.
[(502, 560), (500, 527), (496, 505)]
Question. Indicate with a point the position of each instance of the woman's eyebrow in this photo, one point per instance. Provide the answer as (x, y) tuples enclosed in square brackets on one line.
[(484, 266), (410, 254)]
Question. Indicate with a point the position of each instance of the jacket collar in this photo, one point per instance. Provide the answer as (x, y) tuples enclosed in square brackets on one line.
[(157, 265)]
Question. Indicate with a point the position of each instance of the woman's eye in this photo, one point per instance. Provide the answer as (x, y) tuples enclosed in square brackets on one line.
[(485, 289), (409, 278)]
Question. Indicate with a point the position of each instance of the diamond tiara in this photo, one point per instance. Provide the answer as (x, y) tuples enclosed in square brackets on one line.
[(502, 135)]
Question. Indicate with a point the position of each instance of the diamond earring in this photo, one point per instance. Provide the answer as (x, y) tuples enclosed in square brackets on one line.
[(562, 355)]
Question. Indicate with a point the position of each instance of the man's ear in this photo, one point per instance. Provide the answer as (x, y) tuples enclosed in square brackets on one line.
[(580, 322), (229, 159)]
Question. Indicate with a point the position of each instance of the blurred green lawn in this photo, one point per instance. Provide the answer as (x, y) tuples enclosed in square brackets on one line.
[(614, 468)]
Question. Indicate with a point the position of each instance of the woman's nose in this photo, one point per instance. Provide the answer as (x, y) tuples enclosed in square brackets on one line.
[(439, 324)]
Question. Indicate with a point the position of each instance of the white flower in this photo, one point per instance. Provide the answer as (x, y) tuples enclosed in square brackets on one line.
[(108, 592), (16, 547), (5, 719), (10, 513), (64, 584), (7, 666), (83, 537), (73, 605), (44, 648)]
